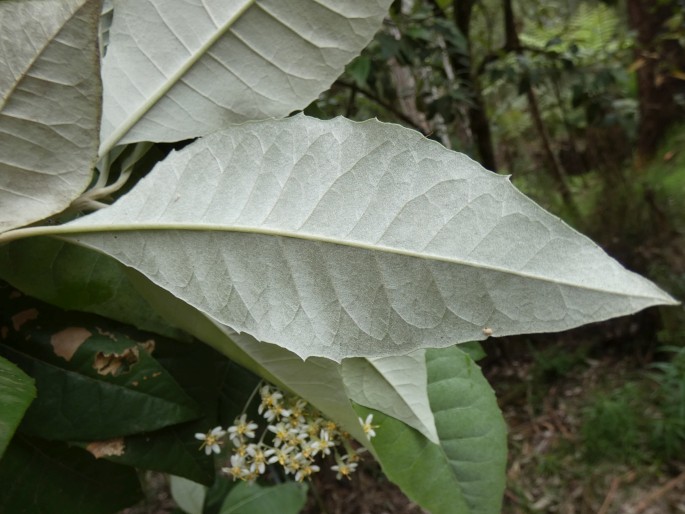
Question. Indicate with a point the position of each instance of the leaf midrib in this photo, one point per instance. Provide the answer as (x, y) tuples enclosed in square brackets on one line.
[(71, 231), (170, 82)]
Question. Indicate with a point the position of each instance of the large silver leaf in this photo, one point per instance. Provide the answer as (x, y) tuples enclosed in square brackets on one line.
[(49, 105), (177, 69), (339, 239)]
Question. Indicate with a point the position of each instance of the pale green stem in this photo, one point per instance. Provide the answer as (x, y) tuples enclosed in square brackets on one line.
[(89, 199), (86, 204), (21, 233), (103, 172), (252, 395)]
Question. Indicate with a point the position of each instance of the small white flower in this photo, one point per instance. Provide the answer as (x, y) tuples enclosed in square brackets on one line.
[(276, 412), (211, 441), (258, 464), (281, 432), (297, 413), (308, 449), (242, 429), (368, 427), (279, 455), (323, 444), (270, 399), (238, 468), (306, 471), (295, 463), (344, 469)]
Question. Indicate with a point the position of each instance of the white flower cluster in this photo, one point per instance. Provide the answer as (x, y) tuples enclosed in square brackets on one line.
[(295, 437)]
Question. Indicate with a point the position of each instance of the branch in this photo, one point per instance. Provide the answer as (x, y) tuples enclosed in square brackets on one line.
[(498, 54), (385, 105)]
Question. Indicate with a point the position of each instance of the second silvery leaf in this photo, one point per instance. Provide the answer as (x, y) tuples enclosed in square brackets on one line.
[(178, 69)]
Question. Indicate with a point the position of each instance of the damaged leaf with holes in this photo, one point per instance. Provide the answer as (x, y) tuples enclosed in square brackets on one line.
[(103, 381)]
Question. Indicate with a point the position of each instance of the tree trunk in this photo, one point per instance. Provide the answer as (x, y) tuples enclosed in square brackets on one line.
[(657, 58), (463, 70), (513, 44)]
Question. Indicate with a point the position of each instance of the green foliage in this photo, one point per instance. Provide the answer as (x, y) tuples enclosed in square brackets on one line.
[(552, 364), (578, 67), (17, 390), (667, 433), (92, 373), (74, 279), (611, 427), (640, 421), (245, 498), (41, 476)]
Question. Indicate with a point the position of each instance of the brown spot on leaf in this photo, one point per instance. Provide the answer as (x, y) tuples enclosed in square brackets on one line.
[(15, 294), (156, 374), (148, 346), (105, 333), (22, 317), (116, 364), (66, 342), (109, 448)]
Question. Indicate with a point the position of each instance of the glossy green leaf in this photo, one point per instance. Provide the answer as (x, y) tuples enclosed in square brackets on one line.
[(173, 449), (339, 239), (95, 380), (76, 278), (51, 478), (219, 386), (49, 105), (16, 394), (221, 389), (465, 472), (244, 498), (176, 70)]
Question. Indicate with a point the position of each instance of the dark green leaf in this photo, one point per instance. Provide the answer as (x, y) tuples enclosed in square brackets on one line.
[(76, 278), (244, 498), (51, 478), (95, 379), (218, 385), (170, 450), (16, 393)]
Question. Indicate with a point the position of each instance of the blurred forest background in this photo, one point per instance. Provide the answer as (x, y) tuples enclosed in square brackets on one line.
[(583, 104)]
